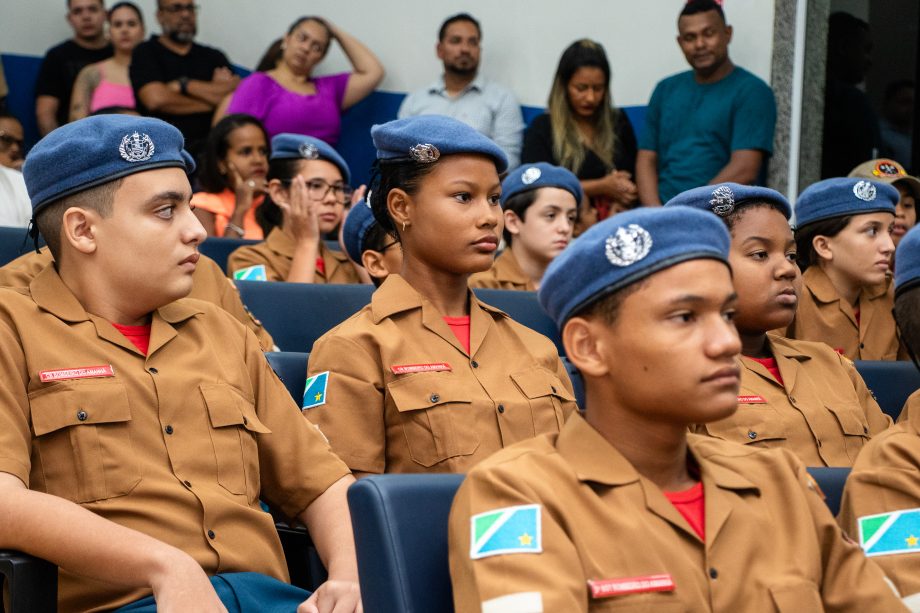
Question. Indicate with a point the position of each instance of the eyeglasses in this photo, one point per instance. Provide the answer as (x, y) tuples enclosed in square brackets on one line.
[(173, 9), (318, 189), (387, 246), (7, 141)]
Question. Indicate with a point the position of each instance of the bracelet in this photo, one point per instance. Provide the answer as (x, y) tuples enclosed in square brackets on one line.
[(235, 228)]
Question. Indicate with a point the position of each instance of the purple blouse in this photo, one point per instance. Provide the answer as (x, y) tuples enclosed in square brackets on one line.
[(280, 110)]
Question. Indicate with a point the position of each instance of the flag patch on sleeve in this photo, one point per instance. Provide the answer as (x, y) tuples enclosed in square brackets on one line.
[(251, 273), (314, 394), (506, 530), (890, 533)]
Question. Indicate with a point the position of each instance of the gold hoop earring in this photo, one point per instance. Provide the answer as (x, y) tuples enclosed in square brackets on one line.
[(404, 227)]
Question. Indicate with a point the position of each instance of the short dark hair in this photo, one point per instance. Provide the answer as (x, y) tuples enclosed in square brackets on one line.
[(518, 204), (806, 234), (49, 221), (406, 175), (907, 314), (607, 308), (101, 3), (126, 5), (454, 19), (694, 7), (743, 207), (216, 146)]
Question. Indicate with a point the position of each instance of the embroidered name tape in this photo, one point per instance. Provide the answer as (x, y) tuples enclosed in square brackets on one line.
[(890, 533), (314, 393), (607, 588), (506, 530), (406, 369), (83, 372), (752, 399)]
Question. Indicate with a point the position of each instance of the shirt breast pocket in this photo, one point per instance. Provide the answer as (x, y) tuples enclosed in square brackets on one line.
[(800, 596), (853, 425), (437, 417), (752, 424), (234, 426), (83, 440), (547, 395)]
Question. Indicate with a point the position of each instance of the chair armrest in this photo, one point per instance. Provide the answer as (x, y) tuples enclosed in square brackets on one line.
[(304, 564), (32, 582)]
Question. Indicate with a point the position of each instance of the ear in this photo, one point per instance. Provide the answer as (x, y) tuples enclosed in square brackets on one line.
[(582, 347), (78, 229), (823, 247), (513, 223), (374, 264), (729, 31), (277, 192), (399, 205), (439, 50)]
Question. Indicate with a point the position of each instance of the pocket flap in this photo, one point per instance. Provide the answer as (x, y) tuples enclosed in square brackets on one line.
[(539, 381), (96, 402), (851, 418), (226, 407), (800, 596), (426, 390), (749, 424)]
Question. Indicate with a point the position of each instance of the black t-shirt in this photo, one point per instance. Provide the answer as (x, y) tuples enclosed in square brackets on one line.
[(152, 62), (59, 70)]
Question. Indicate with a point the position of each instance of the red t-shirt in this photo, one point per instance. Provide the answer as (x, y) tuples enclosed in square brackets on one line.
[(856, 316), (138, 335), (321, 266), (770, 364), (460, 326), (691, 505)]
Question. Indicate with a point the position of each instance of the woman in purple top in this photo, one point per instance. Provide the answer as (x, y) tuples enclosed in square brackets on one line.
[(287, 98)]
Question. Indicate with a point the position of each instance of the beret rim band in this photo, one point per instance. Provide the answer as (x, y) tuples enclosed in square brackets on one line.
[(908, 285), (879, 209)]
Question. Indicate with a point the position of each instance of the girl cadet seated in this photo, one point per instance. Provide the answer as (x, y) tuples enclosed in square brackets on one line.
[(540, 203), (798, 395), (843, 234), (427, 378), (624, 510), (308, 189), (881, 502)]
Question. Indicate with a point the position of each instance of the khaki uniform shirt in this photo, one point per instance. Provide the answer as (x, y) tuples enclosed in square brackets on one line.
[(822, 412), (208, 283), (823, 316), (277, 252), (771, 543), (505, 273), (886, 478), (179, 444), (404, 396)]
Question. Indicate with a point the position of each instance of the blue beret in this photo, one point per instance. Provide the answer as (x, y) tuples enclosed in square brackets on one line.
[(425, 138), (359, 222), (287, 146), (97, 150), (534, 176), (627, 248), (843, 196), (725, 198), (907, 258)]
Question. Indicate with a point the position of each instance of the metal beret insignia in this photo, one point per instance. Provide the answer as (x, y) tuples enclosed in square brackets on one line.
[(308, 151), (722, 202), (628, 245), (865, 191), (425, 153), (530, 175), (136, 147)]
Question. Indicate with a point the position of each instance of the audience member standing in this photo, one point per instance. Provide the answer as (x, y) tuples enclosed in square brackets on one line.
[(462, 93), (712, 124), (11, 142), (62, 63), (178, 80)]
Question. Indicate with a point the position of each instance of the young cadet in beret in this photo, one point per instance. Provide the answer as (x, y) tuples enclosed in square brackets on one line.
[(890, 172), (149, 421), (208, 283), (370, 246), (881, 501), (843, 235), (540, 202), (427, 378), (798, 395), (624, 510), (308, 190)]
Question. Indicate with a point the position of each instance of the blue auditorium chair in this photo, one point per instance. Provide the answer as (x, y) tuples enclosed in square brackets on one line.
[(831, 480), (400, 526), (13, 243), (890, 382), (219, 249), (524, 308), (291, 368)]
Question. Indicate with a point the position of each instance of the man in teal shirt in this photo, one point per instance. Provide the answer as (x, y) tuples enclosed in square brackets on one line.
[(708, 125)]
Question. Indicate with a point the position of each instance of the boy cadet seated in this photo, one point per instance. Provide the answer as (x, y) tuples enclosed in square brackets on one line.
[(150, 422), (881, 502), (799, 395), (623, 510), (540, 203), (370, 246)]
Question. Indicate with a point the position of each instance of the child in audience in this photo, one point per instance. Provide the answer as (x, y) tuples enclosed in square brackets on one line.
[(798, 395), (427, 378), (235, 164), (308, 189), (370, 246), (843, 235), (540, 202), (881, 501), (624, 510)]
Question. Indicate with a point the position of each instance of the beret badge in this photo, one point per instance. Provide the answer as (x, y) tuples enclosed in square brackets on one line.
[(722, 202), (530, 175), (887, 168), (865, 191), (136, 147), (424, 153), (308, 151), (628, 245)]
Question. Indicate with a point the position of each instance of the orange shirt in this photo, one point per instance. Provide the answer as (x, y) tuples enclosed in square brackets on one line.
[(222, 206)]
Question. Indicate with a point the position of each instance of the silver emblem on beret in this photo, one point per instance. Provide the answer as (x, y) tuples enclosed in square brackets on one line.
[(367, 200), (136, 147), (628, 245), (308, 151), (530, 175), (864, 191), (425, 153), (723, 201)]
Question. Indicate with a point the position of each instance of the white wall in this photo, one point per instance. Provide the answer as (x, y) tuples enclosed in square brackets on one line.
[(522, 39)]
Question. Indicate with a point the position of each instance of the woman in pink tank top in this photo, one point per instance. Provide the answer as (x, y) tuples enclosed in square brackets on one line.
[(106, 84)]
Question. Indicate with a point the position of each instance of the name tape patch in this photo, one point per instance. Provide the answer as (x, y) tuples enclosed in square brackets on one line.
[(752, 399), (82, 372), (406, 369), (607, 588)]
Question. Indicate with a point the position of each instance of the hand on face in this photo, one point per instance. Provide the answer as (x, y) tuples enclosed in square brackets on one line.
[(300, 213)]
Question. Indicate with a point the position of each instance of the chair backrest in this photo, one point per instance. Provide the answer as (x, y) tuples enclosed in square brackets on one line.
[(400, 526), (831, 480), (13, 243), (219, 249), (296, 314), (890, 382), (291, 368), (523, 308)]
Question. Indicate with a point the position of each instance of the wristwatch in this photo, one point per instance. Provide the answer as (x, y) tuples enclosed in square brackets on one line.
[(183, 85)]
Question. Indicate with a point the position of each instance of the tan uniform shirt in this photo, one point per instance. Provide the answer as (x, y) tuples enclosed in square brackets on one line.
[(822, 412), (771, 543), (276, 254), (886, 478), (179, 444), (823, 316), (404, 396), (208, 283), (505, 273)]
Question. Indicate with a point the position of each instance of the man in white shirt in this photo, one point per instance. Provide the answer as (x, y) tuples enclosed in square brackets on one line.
[(15, 208)]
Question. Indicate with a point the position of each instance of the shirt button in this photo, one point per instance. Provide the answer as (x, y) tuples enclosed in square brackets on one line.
[(152, 370), (245, 421), (211, 534), (819, 442), (713, 573), (792, 399), (862, 346), (752, 435), (474, 364), (865, 430), (188, 484), (81, 415), (169, 429), (434, 398), (501, 408), (553, 387)]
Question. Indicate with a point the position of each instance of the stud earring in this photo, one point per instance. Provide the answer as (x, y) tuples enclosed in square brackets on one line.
[(404, 227)]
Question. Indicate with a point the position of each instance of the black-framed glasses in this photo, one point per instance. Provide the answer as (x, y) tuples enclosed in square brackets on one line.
[(7, 140), (388, 245), (317, 189), (173, 9)]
